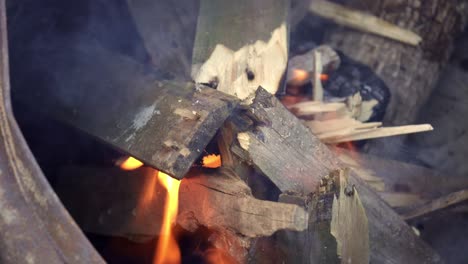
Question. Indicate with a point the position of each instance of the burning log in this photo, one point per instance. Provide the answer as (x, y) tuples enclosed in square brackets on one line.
[(130, 203)]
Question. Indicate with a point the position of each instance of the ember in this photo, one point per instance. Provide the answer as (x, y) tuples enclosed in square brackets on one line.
[(212, 161)]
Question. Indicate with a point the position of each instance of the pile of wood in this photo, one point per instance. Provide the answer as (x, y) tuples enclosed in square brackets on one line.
[(279, 181)]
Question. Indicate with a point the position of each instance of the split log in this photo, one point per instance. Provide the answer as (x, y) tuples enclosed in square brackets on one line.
[(281, 147), (165, 124), (333, 209), (131, 203), (410, 72), (253, 52), (286, 152)]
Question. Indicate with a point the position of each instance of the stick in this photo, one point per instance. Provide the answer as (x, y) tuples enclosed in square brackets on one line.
[(318, 89), (378, 133), (361, 21), (437, 204)]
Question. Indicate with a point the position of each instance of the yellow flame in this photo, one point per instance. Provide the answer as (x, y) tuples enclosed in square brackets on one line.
[(167, 250), (131, 164), (212, 161)]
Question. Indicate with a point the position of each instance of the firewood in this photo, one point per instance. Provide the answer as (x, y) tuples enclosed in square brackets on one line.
[(238, 60), (165, 124), (333, 208), (130, 203), (281, 147), (362, 21), (436, 204)]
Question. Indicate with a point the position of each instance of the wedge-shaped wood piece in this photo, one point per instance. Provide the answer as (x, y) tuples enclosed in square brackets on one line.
[(165, 124)]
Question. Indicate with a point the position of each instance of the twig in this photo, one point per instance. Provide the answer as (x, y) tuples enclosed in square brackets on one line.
[(378, 133), (437, 204)]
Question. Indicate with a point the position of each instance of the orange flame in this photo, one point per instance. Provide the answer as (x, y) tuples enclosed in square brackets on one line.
[(212, 161), (167, 250), (300, 77), (131, 163)]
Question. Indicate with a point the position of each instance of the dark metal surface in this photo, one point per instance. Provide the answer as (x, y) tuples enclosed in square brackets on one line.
[(34, 226)]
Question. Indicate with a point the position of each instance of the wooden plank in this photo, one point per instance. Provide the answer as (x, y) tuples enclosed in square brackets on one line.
[(130, 203), (252, 53), (162, 123)]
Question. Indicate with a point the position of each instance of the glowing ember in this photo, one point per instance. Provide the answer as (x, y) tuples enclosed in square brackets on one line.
[(131, 164), (167, 250), (324, 77), (212, 161), (301, 76)]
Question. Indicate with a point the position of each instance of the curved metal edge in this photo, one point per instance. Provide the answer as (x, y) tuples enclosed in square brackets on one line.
[(34, 225)]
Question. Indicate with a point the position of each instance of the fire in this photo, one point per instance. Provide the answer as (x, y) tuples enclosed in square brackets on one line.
[(131, 163), (301, 76), (167, 250), (212, 161)]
